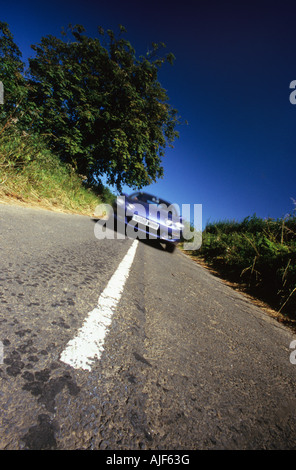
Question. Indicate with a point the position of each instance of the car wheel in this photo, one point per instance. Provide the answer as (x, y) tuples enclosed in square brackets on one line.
[(170, 247)]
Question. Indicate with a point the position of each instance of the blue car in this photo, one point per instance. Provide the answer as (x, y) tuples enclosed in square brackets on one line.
[(145, 216)]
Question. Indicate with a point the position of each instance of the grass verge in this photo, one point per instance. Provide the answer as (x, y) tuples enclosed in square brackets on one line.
[(256, 256), (30, 174)]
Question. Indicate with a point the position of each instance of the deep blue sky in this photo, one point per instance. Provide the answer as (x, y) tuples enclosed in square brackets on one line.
[(230, 81)]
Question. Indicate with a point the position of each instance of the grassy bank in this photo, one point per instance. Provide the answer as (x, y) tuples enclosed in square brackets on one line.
[(257, 255), (31, 174)]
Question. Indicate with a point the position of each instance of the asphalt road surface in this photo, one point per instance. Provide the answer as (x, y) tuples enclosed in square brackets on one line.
[(117, 344)]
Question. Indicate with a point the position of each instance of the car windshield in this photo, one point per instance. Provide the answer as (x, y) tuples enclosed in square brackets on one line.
[(150, 199)]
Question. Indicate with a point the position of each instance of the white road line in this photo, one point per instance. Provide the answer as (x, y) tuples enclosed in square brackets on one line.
[(88, 345)]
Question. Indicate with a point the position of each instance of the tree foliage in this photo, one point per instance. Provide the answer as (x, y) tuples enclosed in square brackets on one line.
[(11, 74), (102, 108)]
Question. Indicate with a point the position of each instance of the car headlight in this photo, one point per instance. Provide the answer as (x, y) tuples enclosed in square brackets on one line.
[(171, 223), (168, 222)]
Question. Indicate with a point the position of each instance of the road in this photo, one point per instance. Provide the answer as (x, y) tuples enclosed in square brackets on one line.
[(184, 362)]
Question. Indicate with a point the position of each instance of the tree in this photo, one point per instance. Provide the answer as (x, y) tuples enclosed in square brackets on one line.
[(11, 75), (103, 110)]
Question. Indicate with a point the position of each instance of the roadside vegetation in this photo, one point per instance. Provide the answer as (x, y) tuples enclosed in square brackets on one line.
[(257, 255), (32, 174)]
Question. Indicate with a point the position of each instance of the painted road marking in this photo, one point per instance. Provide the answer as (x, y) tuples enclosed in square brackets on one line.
[(88, 345)]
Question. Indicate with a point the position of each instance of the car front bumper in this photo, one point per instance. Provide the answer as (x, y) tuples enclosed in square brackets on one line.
[(163, 233)]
